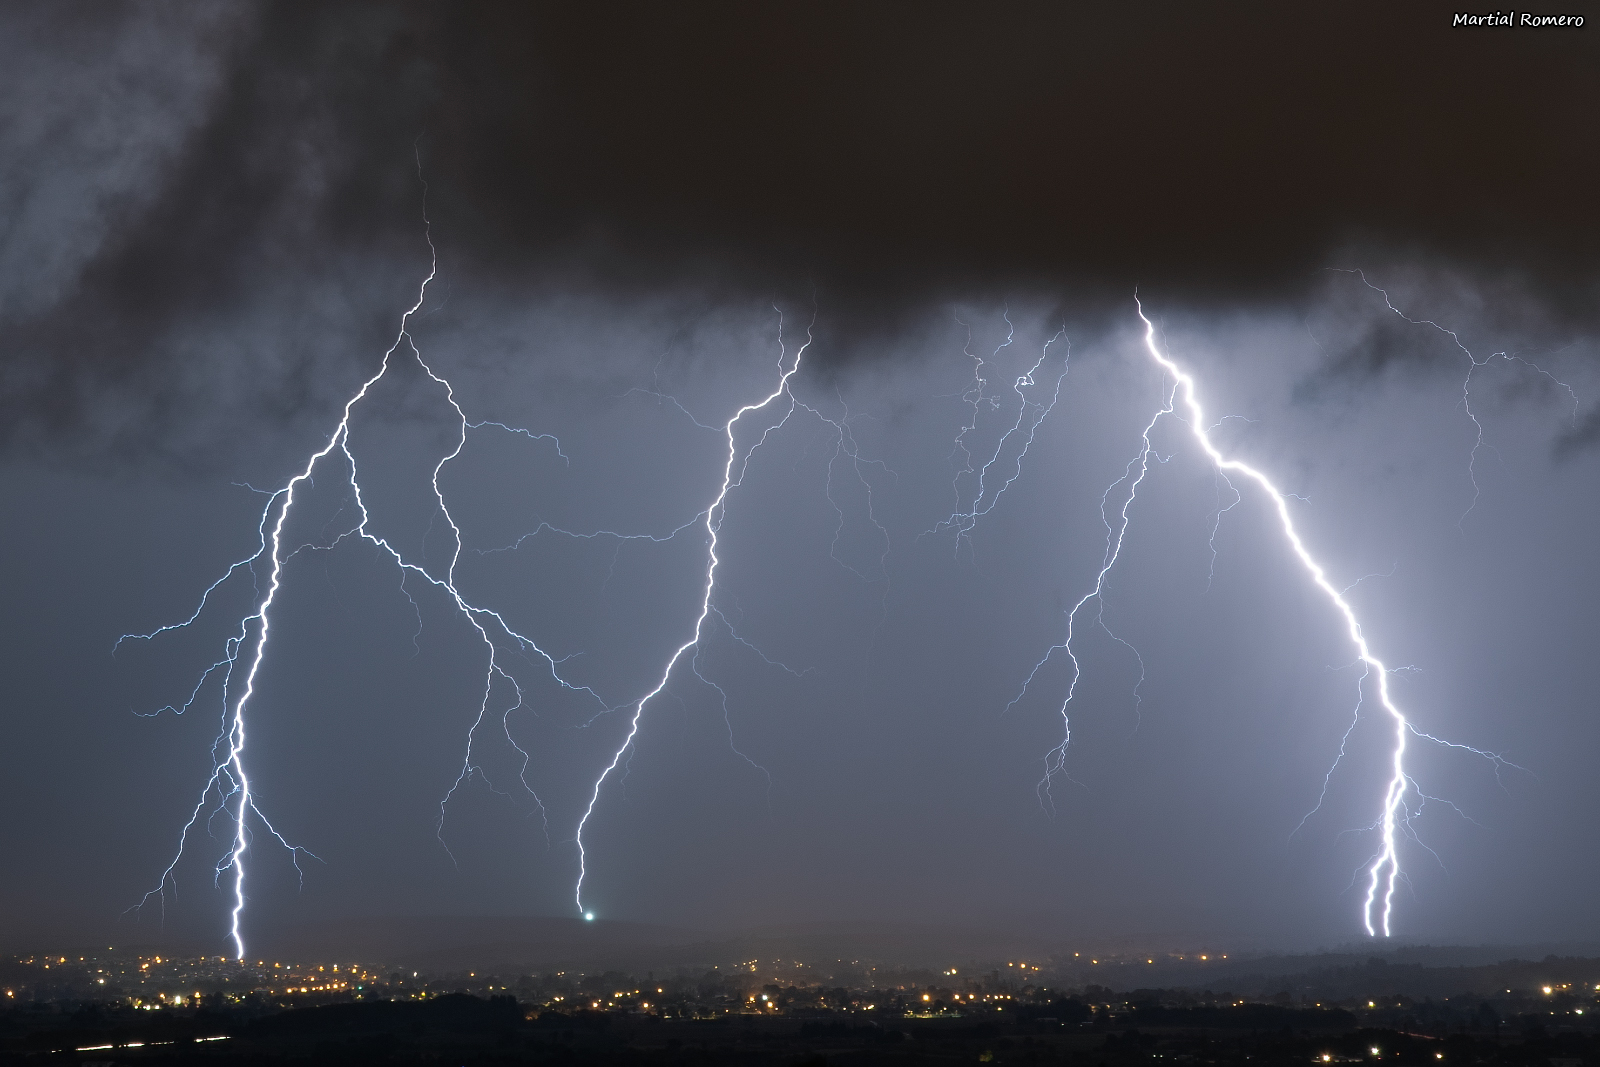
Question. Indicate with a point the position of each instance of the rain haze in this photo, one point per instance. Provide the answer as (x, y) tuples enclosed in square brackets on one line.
[(912, 244)]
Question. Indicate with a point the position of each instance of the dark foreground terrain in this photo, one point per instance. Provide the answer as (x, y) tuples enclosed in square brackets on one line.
[(461, 1029), (135, 1008)]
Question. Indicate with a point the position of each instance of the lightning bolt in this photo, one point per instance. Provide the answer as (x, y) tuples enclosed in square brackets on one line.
[(1474, 363), (712, 517), (1133, 476), (846, 447), (979, 483), (229, 779), (1030, 414), (1383, 870)]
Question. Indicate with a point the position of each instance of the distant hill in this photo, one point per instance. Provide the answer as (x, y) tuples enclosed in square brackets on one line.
[(849, 953), (1411, 971), (443, 944)]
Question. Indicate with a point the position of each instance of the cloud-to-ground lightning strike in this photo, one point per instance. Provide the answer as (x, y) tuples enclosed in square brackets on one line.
[(1383, 870), (978, 483), (713, 516), (228, 777)]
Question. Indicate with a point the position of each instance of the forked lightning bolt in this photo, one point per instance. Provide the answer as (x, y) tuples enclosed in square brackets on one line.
[(229, 779), (1383, 869), (978, 486), (1473, 364), (1133, 476), (713, 516), (985, 495)]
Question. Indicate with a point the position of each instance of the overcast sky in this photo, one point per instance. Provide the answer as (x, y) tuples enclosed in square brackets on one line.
[(216, 219)]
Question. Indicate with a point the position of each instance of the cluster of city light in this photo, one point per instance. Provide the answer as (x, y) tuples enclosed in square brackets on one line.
[(913, 1000), (144, 1044)]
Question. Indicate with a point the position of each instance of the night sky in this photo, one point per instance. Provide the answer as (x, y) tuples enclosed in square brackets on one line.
[(215, 218)]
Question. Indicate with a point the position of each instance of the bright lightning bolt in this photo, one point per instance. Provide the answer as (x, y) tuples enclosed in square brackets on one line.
[(712, 516), (1383, 869), (979, 483), (229, 778)]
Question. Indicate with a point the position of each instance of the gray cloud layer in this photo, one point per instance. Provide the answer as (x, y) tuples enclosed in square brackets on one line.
[(101, 104)]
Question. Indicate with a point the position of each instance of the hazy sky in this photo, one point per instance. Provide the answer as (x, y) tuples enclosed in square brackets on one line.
[(214, 226)]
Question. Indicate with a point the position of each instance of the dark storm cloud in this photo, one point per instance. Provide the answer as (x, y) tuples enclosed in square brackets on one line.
[(895, 151), (162, 172), (888, 156), (98, 107)]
